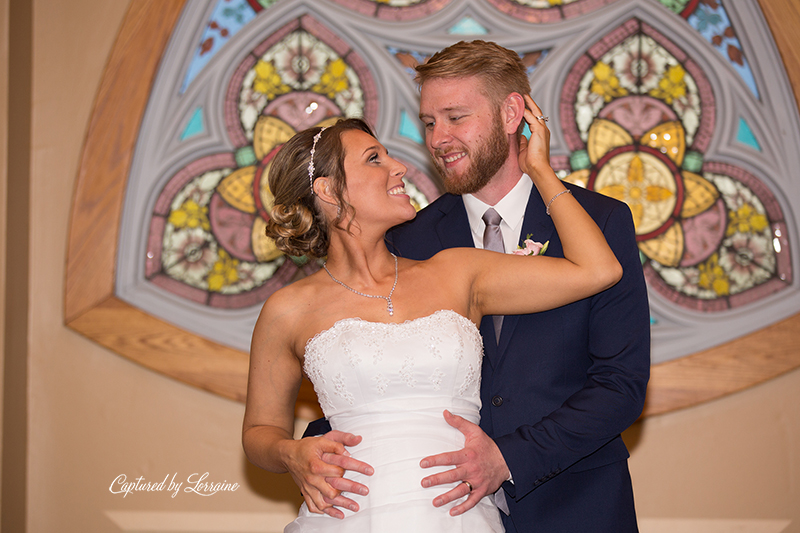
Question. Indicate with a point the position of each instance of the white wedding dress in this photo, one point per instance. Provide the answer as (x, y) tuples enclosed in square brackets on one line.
[(390, 384)]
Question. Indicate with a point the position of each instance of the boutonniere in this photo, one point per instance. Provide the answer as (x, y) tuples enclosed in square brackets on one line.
[(530, 247)]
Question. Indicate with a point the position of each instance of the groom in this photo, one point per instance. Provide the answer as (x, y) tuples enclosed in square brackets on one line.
[(558, 387)]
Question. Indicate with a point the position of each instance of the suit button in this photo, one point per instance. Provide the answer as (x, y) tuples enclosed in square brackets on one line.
[(497, 401)]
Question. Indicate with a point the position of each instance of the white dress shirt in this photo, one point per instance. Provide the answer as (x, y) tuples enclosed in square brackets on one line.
[(511, 208)]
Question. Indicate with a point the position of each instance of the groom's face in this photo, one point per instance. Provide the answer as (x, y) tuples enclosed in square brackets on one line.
[(464, 133)]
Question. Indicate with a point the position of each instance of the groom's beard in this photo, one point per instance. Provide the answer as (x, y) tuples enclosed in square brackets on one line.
[(485, 162)]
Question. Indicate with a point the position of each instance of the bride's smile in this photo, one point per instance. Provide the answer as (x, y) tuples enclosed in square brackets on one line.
[(375, 186)]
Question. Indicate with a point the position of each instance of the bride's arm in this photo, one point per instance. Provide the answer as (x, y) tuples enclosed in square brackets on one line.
[(506, 284), (267, 432)]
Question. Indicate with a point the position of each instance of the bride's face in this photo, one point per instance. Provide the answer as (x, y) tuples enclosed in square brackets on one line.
[(374, 181)]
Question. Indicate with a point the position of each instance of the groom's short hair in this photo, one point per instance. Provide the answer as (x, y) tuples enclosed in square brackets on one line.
[(501, 70)]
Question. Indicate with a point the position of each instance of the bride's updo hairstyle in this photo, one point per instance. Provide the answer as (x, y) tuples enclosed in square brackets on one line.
[(297, 224)]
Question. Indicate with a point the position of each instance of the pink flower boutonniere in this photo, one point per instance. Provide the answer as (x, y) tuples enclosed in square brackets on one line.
[(530, 247)]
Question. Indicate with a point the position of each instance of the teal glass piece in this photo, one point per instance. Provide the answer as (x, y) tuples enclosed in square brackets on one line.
[(245, 156), (693, 162), (408, 128), (579, 160), (195, 126), (467, 26), (745, 135)]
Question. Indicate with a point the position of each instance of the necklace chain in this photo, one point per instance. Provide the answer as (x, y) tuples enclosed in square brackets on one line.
[(389, 305)]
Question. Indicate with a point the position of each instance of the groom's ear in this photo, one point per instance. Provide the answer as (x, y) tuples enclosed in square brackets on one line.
[(512, 111)]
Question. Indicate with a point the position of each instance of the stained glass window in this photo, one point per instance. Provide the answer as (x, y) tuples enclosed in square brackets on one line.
[(660, 104)]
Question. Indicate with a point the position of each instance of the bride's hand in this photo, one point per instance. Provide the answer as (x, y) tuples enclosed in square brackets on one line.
[(343, 484), (534, 154), (317, 465)]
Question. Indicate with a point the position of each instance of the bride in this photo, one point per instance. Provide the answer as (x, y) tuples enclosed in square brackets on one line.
[(390, 343)]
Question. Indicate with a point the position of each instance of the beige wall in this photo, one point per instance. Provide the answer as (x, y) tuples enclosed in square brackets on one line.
[(94, 415)]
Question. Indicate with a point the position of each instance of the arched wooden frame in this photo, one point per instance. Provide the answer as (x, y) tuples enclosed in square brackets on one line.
[(92, 309)]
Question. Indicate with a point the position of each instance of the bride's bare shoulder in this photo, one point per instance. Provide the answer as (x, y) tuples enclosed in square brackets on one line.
[(455, 255), (287, 308)]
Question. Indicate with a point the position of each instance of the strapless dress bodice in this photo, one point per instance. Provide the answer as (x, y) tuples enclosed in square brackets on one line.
[(390, 383)]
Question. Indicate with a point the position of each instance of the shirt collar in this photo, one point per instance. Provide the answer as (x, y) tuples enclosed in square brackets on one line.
[(511, 208)]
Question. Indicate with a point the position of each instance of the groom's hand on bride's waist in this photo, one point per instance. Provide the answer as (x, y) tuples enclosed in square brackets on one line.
[(479, 467)]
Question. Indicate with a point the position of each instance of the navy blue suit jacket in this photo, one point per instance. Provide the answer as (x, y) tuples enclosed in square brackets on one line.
[(561, 385)]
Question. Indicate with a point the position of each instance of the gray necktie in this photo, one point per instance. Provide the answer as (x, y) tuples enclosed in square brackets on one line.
[(493, 240)]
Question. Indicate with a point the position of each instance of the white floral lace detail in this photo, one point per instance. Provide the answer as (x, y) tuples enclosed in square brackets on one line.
[(436, 379), (399, 353), (469, 379), (407, 372), (341, 388), (381, 383)]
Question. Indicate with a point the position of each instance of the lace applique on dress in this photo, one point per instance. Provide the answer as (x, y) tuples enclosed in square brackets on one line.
[(356, 362), (407, 372), (381, 383), (436, 379)]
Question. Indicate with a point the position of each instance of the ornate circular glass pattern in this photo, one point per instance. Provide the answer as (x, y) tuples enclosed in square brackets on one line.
[(207, 235), (638, 115)]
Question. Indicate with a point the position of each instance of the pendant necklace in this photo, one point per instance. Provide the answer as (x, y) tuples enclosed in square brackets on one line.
[(389, 306)]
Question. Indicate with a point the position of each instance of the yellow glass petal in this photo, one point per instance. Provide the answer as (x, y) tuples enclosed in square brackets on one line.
[(669, 138), (700, 194), (675, 74), (605, 135), (269, 133), (333, 80), (605, 82), (635, 170), (579, 177), (178, 218), (267, 198), (637, 212), (667, 248), (237, 189), (654, 193), (263, 247), (267, 81), (616, 191)]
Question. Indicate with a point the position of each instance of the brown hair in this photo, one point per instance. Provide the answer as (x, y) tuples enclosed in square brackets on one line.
[(501, 70), (296, 223)]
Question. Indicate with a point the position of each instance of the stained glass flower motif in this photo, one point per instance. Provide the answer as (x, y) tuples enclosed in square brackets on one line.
[(639, 115), (207, 241)]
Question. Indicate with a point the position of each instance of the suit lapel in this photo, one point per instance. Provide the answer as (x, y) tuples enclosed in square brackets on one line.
[(453, 228)]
